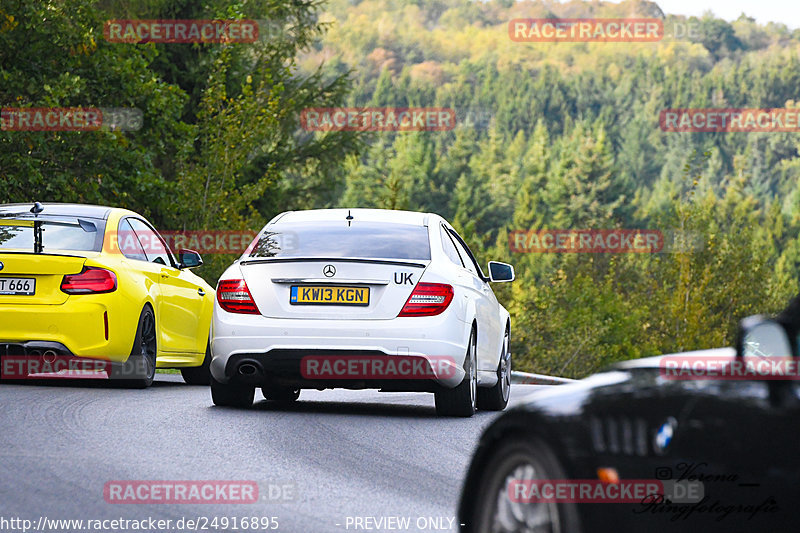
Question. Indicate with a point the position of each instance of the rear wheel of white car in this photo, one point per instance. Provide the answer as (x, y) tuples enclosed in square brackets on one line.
[(496, 398), (462, 400), (280, 395), (199, 375), (139, 370), (231, 395)]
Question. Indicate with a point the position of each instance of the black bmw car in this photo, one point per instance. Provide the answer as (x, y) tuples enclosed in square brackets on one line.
[(711, 435)]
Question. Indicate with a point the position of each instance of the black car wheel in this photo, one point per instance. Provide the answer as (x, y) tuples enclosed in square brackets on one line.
[(496, 511), (139, 370), (280, 395), (231, 395), (462, 400), (496, 397), (199, 375)]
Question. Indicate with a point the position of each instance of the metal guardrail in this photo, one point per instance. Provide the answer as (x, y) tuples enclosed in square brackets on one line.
[(525, 378)]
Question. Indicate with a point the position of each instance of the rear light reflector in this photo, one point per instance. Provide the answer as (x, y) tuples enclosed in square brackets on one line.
[(234, 297), (428, 299), (91, 280)]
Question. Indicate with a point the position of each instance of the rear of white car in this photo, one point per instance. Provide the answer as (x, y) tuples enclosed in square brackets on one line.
[(321, 289)]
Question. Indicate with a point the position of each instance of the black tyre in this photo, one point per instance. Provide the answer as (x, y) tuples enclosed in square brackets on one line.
[(496, 398), (199, 375), (462, 400), (516, 460), (140, 368), (280, 395), (231, 395)]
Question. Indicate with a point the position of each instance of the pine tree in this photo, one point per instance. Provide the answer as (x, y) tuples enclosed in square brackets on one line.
[(586, 190)]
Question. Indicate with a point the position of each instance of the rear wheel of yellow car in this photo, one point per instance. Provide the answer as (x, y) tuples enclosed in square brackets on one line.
[(140, 368), (199, 375)]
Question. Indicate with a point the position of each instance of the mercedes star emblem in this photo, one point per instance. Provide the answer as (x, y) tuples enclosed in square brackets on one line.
[(329, 271)]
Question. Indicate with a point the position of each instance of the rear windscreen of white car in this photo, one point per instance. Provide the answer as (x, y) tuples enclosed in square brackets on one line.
[(337, 239), (62, 233)]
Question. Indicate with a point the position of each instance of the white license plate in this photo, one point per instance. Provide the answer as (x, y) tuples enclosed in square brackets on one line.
[(18, 286)]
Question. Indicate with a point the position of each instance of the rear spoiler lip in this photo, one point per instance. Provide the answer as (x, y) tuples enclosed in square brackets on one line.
[(333, 260)]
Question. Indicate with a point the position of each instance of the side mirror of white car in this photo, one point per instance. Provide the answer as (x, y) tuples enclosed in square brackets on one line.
[(500, 272)]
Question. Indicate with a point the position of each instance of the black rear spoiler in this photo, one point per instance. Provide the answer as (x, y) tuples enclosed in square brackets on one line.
[(38, 246)]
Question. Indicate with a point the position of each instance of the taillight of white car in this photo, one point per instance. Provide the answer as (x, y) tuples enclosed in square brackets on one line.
[(428, 299), (234, 297)]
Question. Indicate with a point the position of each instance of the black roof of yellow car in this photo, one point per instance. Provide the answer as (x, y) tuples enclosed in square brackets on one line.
[(57, 209)]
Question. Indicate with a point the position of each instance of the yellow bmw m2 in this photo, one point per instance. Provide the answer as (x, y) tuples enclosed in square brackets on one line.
[(85, 282)]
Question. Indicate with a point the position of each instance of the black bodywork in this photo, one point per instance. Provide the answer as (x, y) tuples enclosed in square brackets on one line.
[(738, 437)]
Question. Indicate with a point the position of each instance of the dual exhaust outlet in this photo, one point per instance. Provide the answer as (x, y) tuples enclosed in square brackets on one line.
[(45, 353)]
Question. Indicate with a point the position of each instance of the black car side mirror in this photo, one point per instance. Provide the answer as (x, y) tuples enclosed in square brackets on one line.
[(189, 259), (766, 347), (761, 338)]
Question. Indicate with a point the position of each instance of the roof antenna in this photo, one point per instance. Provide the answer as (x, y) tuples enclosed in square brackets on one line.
[(348, 218), (38, 247)]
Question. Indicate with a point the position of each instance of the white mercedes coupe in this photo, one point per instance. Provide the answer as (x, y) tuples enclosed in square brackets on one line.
[(361, 299)]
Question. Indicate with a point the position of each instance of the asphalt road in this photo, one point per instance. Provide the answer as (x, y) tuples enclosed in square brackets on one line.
[(336, 461)]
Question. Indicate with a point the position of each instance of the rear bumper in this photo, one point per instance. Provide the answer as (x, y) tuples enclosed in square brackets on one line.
[(78, 325), (285, 368), (278, 346)]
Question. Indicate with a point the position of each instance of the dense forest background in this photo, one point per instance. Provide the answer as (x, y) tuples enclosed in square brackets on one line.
[(550, 135)]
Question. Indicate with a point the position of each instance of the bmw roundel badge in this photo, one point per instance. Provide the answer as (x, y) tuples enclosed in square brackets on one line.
[(1, 265), (664, 435)]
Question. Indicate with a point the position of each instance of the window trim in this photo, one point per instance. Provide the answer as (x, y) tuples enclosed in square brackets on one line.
[(136, 236), (469, 252), (444, 234), (170, 256)]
